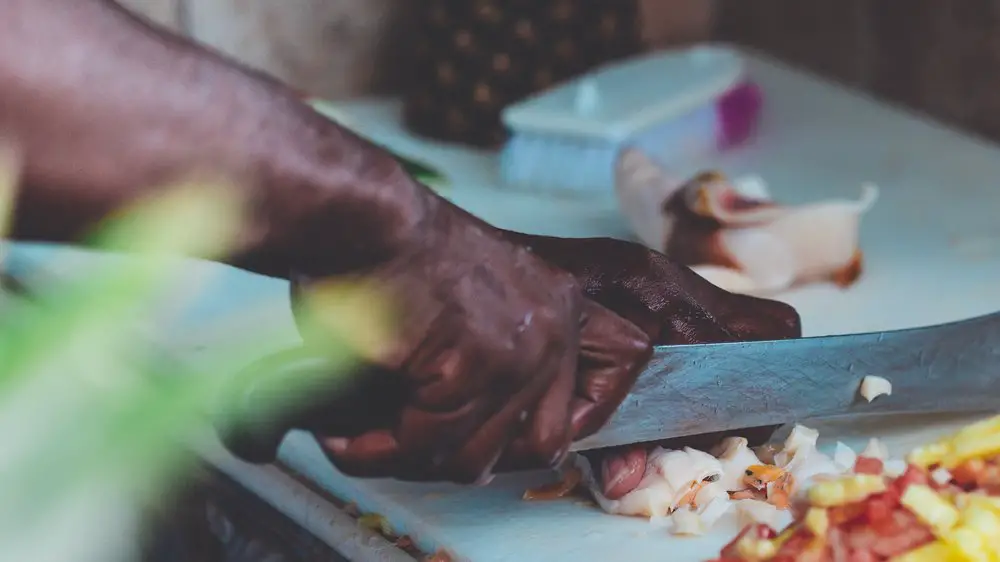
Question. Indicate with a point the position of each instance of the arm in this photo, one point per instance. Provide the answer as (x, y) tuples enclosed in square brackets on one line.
[(104, 108)]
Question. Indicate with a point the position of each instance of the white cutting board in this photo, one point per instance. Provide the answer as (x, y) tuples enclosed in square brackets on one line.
[(933, 255)]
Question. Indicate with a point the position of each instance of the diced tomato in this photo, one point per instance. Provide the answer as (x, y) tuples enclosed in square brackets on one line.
[(969, 472), (899, 533), (869, 465), (846, 513), (880, 507), (913, 475), (863, 556)]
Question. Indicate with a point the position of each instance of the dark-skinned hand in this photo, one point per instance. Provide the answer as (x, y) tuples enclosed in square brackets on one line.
[(671, 304), (501, 354)]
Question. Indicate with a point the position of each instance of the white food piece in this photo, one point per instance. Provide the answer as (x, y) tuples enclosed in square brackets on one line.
[(844, 457), (749, 512), (714, 510), (687, 522), (941, 475), (760, 248), (670, 476), (735, 456), (875, 450), (894, 467), (803, 460), (872, 387), (779, 247)]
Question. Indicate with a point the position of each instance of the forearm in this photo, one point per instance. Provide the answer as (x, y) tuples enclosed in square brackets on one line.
[(104, 109)]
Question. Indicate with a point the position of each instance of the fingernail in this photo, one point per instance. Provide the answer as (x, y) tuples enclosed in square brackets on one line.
[(336, 445)]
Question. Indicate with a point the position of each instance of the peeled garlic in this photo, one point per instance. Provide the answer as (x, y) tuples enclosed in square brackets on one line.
[(872, 387)]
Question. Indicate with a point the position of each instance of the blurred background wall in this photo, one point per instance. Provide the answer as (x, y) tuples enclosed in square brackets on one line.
[(941, 57)]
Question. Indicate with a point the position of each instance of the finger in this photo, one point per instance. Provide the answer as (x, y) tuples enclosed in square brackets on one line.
[(475, 462), (751, 318), (613, 351), (375, 454), (432, 438), (551, 431), (621, 470)]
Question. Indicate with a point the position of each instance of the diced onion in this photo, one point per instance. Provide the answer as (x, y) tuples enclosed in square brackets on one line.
[(872, 387)]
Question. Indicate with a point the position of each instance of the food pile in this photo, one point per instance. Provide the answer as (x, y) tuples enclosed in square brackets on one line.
[(690, 490), (944, 507)]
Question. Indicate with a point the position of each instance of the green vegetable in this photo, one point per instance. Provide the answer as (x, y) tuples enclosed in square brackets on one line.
[(93, 417)]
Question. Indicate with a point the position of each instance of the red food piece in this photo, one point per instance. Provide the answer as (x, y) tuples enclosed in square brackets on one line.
[(913, 475), (880, 507), (846, 513), (898, 533), (869, 465), (795, 546), (969, 472)]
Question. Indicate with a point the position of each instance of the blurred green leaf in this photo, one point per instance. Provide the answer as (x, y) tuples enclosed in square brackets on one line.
[(85, 401)]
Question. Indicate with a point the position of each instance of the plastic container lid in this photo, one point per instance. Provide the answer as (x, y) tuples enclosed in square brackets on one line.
[(615, 101)]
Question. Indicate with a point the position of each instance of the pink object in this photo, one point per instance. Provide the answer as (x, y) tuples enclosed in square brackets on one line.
[(738, 112)]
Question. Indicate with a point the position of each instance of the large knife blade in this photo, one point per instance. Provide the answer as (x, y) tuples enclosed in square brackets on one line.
[(693, 389)]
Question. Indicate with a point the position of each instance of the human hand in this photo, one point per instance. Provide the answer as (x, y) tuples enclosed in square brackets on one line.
[(499, 354), (670, 303)]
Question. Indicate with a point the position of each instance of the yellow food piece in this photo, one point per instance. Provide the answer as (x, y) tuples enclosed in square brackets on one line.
[(928, 455), (930, 508), (817, 520), (845, 490), (967, 544), (982, 519), (969, 447), (753, 550), (981, 439), (989, 426), (932, 552), (980, 501)]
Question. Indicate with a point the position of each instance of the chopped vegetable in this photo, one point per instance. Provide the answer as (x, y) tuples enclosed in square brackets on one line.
[(817, 520), (869, 465), (931, 508), (943, 507), (872, 387), (844, 456), (848, 489)]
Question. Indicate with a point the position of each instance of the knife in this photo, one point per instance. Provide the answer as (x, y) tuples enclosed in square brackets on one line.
[(693, 389)]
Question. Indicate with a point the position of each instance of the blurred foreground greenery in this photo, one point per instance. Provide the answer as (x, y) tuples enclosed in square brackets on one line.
[(93, 418)]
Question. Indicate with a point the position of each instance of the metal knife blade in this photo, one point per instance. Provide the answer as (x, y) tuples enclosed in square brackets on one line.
[(693, 389)]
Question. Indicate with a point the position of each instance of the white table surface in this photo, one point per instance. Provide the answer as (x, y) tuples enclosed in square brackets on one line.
[(933, 255)]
